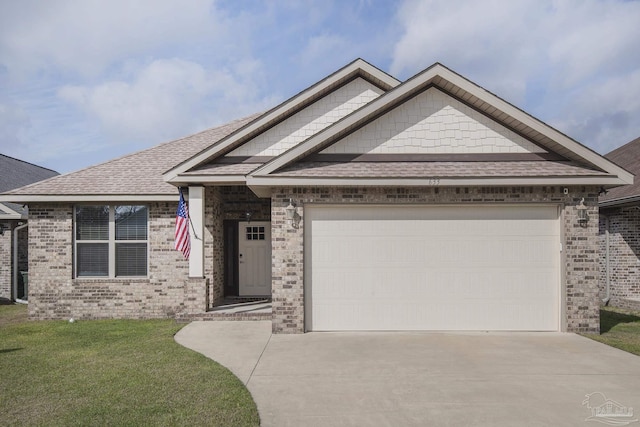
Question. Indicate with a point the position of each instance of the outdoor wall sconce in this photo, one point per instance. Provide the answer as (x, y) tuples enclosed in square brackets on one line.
[(247, 215), (583, 218), (292, 215), (2, 228)]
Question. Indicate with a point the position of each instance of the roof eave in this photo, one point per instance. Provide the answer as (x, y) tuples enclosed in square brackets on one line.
[(82, 198), (274, 181), (11, 214), (620, 202), (184, 180)]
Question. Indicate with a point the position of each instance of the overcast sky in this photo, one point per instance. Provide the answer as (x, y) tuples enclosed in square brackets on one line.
[(85, 81)]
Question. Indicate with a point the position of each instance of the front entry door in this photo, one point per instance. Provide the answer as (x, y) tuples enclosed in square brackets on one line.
[(254, 264)]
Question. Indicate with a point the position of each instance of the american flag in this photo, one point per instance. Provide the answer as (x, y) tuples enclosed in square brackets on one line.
[(183, 242)]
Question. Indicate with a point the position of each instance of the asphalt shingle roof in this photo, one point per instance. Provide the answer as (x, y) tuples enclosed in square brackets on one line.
[(135, 174), (628, 157), (16, 173), (437, 169)]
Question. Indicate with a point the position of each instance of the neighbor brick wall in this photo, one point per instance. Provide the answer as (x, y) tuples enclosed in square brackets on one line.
[(579, 284), (624, 256), (54, 293), (5, 262)]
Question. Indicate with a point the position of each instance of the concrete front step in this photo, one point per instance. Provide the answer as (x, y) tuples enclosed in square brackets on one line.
[(233, 309)]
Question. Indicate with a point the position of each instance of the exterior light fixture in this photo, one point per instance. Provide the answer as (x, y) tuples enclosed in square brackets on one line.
[(247, 215), (2, 228), (292, 216), (583, 218)]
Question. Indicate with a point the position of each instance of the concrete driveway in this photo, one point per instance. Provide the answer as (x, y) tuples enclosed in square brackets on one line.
[(418, 379)]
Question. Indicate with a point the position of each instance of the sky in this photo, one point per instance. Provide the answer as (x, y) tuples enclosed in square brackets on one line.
[(86, 81)]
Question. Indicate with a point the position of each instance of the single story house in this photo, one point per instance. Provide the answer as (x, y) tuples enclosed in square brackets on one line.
[(361, 203), (15, 173), (620, 234)]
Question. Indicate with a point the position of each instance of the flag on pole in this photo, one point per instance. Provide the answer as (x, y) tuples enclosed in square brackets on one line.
[(183, 242)]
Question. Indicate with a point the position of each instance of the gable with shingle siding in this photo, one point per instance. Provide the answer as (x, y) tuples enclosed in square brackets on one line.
[(434, 122), (310, 120)]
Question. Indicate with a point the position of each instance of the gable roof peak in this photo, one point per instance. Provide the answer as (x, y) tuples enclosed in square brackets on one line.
[(356, 68)]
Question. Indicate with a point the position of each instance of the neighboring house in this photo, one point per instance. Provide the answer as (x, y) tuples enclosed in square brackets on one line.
[(361, 203), (620, 234), (15, 173)]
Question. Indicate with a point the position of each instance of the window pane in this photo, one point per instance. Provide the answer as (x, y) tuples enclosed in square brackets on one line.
[(93, 259), (92, 222), (131, 259), (131, 222)]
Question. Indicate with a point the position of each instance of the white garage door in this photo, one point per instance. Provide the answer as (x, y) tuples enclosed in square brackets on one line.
[(432, 268)]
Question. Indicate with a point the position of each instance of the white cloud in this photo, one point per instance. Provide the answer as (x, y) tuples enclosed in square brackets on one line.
[(166, 99), (542, 56), (321, 46), (13, 123), (89, 35), (606, 114)]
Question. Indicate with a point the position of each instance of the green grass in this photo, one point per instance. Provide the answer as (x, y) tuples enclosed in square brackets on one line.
[(620, 329), (111, 372)]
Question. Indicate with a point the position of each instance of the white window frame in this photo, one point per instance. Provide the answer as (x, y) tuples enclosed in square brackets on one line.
[(111, 243)]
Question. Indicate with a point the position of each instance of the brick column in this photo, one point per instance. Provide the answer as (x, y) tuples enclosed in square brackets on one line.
[(196, 295), (288, 267)]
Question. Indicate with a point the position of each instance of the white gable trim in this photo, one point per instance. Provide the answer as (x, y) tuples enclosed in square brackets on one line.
[(445, 79), (433, 122), (357, 67)]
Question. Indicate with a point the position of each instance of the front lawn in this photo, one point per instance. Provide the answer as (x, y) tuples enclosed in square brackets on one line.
[(111, 372), (620, 329)]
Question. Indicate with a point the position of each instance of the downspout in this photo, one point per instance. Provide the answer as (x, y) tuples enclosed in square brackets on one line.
[(607, 265), (15, 261)]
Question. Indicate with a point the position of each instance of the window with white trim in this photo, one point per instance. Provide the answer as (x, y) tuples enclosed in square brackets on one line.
[(111, 241)]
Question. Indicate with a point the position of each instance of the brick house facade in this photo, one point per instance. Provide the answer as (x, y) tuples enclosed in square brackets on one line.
[(14, 251), (358, 138), (619, 235)]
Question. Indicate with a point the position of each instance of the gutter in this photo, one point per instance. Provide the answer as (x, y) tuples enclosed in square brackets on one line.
[(607, 264), (15, 262), (619, 202)]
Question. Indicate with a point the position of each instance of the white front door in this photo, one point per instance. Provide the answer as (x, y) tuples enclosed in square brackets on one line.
[(254, 251)]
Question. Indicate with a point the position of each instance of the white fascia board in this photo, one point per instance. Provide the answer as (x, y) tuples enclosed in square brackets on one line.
[(271, 117), (89, 198), (621, 201), (209, 179), (12, 217), (255, 182)]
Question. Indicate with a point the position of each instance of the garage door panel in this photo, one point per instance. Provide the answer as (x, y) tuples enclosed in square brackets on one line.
[(432, 268)]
